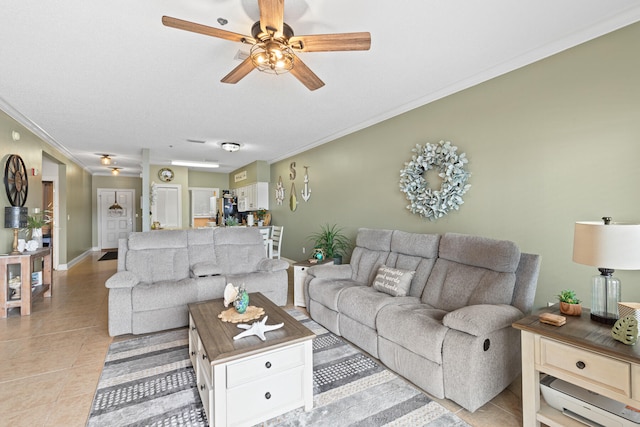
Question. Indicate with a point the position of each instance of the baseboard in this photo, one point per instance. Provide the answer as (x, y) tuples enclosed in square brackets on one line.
[(74, 261)]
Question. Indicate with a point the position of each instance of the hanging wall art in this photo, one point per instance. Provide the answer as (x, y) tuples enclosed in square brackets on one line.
[(279, 191), (443, 158), (306, 192)]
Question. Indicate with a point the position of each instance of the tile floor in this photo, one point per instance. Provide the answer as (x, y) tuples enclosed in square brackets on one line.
[(52, 359)]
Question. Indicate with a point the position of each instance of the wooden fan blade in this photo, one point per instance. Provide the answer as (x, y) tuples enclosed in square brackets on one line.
[(271, 16), (206, 30), (331, 42), (305, 75), (239, 72)]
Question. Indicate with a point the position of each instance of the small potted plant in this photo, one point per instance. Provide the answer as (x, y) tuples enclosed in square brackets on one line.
[(331, 241), (261, 213), (569, 303)]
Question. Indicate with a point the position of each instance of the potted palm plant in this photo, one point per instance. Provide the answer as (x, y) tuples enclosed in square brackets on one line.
[(331, 241)]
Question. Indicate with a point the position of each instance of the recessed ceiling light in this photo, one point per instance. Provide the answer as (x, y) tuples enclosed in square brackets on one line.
[(230, 146), (194, 164)]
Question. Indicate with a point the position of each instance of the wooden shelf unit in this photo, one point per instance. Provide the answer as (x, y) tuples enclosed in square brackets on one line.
[(25, 263)]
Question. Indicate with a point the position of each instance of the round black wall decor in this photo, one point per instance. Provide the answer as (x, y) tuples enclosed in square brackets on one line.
[(16, 181), (425, 201)]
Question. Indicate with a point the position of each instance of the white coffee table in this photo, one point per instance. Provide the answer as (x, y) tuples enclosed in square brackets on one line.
[(246, 381)]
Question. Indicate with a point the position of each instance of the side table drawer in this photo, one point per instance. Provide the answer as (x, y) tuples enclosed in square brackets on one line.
[(264, 365), (265, 398), (602, 371)]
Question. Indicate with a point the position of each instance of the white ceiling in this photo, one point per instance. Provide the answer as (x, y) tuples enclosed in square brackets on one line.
[(104, 76)]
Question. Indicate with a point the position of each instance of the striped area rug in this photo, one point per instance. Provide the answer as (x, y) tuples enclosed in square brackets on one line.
[(149, 381)]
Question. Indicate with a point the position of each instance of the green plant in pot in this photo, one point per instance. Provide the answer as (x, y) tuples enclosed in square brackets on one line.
[(569, 303), (332, 241)]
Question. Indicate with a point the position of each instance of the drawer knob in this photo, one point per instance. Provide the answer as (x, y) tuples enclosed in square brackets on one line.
[(580, 364), (193, 353), (267, 395), (201, 386), (193, 328), (268, 365), (204, 356)]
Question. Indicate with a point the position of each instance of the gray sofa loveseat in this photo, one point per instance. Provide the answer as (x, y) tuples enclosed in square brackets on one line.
[(160, 272), (435, 309)]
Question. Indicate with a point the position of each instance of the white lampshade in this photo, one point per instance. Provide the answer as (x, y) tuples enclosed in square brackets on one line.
[(615, 246)]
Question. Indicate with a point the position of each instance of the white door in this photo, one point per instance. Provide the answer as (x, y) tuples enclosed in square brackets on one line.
[(167, 209), (115, 219)]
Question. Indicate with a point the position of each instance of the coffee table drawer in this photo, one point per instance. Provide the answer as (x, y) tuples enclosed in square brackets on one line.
[(263, 365), (587, 366), (266, 398)]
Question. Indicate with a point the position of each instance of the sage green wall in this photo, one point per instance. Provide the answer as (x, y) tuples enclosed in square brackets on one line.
[(258, 171), (75, 212), (209, 180), (120, 182), (549, 144)]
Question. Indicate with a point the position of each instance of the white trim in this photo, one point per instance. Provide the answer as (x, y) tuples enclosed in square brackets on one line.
[(74, 261)]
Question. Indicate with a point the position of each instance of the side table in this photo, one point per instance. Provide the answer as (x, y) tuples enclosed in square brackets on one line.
[(581, 352), (20, 268), (299, 277)]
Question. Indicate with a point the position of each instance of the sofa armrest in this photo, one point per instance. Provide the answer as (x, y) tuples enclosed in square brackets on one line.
[(268, 264), (329, 271), (122, 279), (482, 319)]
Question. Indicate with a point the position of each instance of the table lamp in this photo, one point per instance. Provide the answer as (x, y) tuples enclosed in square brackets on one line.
[(15, 217), (607, 246)]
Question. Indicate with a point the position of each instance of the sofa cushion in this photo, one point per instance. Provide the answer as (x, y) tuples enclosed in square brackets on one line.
[(156, 265), (166, 239), (201, 249), (416, 327), (238, 250), (363, 303), (497, 255), (163, 294), (414, 251), (326, 292), (393, 281), (472, 270), (371, 251)]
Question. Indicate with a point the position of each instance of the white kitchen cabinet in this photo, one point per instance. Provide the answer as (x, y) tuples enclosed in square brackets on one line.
[(253, 197)]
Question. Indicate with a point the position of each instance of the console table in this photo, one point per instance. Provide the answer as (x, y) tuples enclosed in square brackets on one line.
[(581, 352), (20, 267)]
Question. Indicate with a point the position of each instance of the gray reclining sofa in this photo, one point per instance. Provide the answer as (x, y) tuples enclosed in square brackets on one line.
[(435, 309), (160, 272)]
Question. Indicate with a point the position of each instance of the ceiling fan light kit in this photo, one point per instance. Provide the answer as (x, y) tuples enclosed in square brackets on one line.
[(274, 44)]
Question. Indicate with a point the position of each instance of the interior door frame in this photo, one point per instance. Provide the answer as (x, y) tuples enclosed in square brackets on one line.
[(55, 226), (132, 218), (154, 213)]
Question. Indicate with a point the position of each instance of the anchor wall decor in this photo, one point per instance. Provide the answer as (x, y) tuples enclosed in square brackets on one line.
[(306, 192)]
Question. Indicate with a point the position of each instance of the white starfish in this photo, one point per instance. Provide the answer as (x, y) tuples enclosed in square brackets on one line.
[(257, 328)]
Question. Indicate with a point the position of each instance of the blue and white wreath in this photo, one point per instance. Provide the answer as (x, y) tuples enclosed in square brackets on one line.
[(425, 201)]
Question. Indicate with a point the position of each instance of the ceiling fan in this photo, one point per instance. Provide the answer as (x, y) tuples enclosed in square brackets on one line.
[(274, 44)]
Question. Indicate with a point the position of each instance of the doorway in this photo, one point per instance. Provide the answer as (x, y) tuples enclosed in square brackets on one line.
[(167, 209), (116, 209)]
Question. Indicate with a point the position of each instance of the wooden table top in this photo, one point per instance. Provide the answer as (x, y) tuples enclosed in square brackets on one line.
[(580, 331), (217, 336)]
